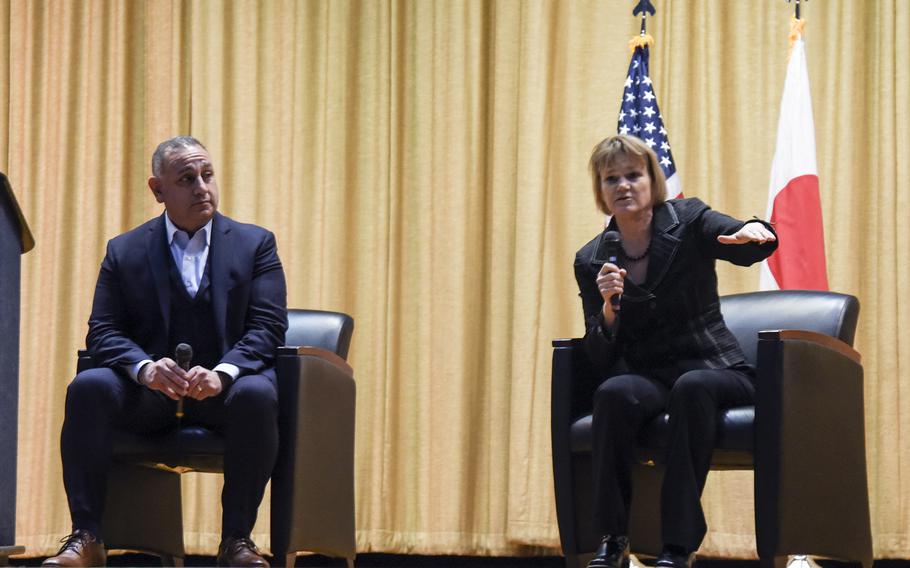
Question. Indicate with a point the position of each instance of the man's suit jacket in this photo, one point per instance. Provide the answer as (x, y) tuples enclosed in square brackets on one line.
[(670, 323), (132, 304)]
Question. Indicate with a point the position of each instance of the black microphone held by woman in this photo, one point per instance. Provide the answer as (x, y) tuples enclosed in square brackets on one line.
[(608, 251)]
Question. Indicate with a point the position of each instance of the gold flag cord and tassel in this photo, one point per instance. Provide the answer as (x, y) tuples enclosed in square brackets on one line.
[(643, 40), (796, 29)]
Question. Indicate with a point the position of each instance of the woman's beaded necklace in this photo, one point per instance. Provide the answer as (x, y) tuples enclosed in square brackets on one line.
[(631, 258)]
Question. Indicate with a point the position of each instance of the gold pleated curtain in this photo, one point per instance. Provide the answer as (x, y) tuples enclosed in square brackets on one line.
[(422, 164)]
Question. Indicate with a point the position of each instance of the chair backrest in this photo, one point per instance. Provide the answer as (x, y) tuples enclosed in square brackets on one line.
[(316, 328), (830, 313)]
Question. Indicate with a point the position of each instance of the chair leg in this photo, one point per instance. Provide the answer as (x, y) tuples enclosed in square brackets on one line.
[(350, 562), (290, 559), (7, 551), (169, 560), (150, 520)]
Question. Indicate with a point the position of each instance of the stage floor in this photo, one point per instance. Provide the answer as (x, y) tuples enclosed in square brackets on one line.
[(407, 561)]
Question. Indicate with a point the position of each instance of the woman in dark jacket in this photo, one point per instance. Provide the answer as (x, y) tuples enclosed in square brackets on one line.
[(655, 314)]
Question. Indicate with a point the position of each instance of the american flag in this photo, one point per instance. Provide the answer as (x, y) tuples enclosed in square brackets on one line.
[(639, 116)]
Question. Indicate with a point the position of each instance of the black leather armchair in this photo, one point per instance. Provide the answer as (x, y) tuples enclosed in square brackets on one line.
[(804, 437), (312, 506)]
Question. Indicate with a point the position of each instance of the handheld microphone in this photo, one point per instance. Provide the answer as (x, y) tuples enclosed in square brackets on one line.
[(183, 354), (608, 251)]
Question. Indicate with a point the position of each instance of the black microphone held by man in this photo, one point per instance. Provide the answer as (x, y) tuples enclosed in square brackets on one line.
[(184, 355)]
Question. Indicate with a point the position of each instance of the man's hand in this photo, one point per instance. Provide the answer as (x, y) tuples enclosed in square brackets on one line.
[(165, 375), (203, 383), (750, 233)]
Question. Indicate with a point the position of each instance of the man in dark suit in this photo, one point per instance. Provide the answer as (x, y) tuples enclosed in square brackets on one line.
[(190, 276)]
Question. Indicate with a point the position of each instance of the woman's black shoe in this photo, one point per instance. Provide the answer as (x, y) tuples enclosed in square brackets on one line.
[(675, 558), (613, 552)]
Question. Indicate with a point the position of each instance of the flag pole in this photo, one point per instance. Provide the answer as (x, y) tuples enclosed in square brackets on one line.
[(797, 6), (643, 7), (798, 560), (639, 114)]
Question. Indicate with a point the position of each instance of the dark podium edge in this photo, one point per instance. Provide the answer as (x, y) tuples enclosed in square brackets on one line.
[(14, 231)]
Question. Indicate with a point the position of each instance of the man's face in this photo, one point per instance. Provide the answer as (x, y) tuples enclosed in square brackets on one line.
[(187, 187)]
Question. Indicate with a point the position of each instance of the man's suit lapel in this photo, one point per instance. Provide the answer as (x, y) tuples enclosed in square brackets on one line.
[(664, 246), (220, 258), (159, 265)]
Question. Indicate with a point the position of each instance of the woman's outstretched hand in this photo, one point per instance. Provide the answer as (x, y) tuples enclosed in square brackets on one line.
[(749, 233)]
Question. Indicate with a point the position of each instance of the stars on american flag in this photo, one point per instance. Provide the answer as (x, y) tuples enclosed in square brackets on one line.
[(639, 114)]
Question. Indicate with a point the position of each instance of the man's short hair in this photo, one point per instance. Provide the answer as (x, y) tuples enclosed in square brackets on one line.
[(165, 148)]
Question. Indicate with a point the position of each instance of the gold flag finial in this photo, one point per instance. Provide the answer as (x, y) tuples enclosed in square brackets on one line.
[(644, 39)]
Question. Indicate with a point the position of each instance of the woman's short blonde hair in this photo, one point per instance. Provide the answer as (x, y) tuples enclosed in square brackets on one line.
[(610, 150)]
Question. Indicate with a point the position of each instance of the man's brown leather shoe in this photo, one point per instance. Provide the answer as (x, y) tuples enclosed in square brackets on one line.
[(79, 549), (240, 552)]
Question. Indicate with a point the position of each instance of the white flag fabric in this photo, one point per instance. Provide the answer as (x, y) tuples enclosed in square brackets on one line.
[(794, 205)]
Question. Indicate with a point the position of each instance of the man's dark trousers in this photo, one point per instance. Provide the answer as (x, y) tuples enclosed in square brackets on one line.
[(100, 401)]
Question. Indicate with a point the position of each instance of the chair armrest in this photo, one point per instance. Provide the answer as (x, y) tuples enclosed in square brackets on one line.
[(563, 380), (576, 376), (814, 337), (83, 361), (810, 453), (569, 365), (319, 352), (313, 478)]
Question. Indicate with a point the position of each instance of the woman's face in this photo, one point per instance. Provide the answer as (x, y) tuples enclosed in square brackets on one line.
[(625, 186)]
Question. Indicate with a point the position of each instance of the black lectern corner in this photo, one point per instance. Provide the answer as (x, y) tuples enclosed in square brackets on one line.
[(15, 240)]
